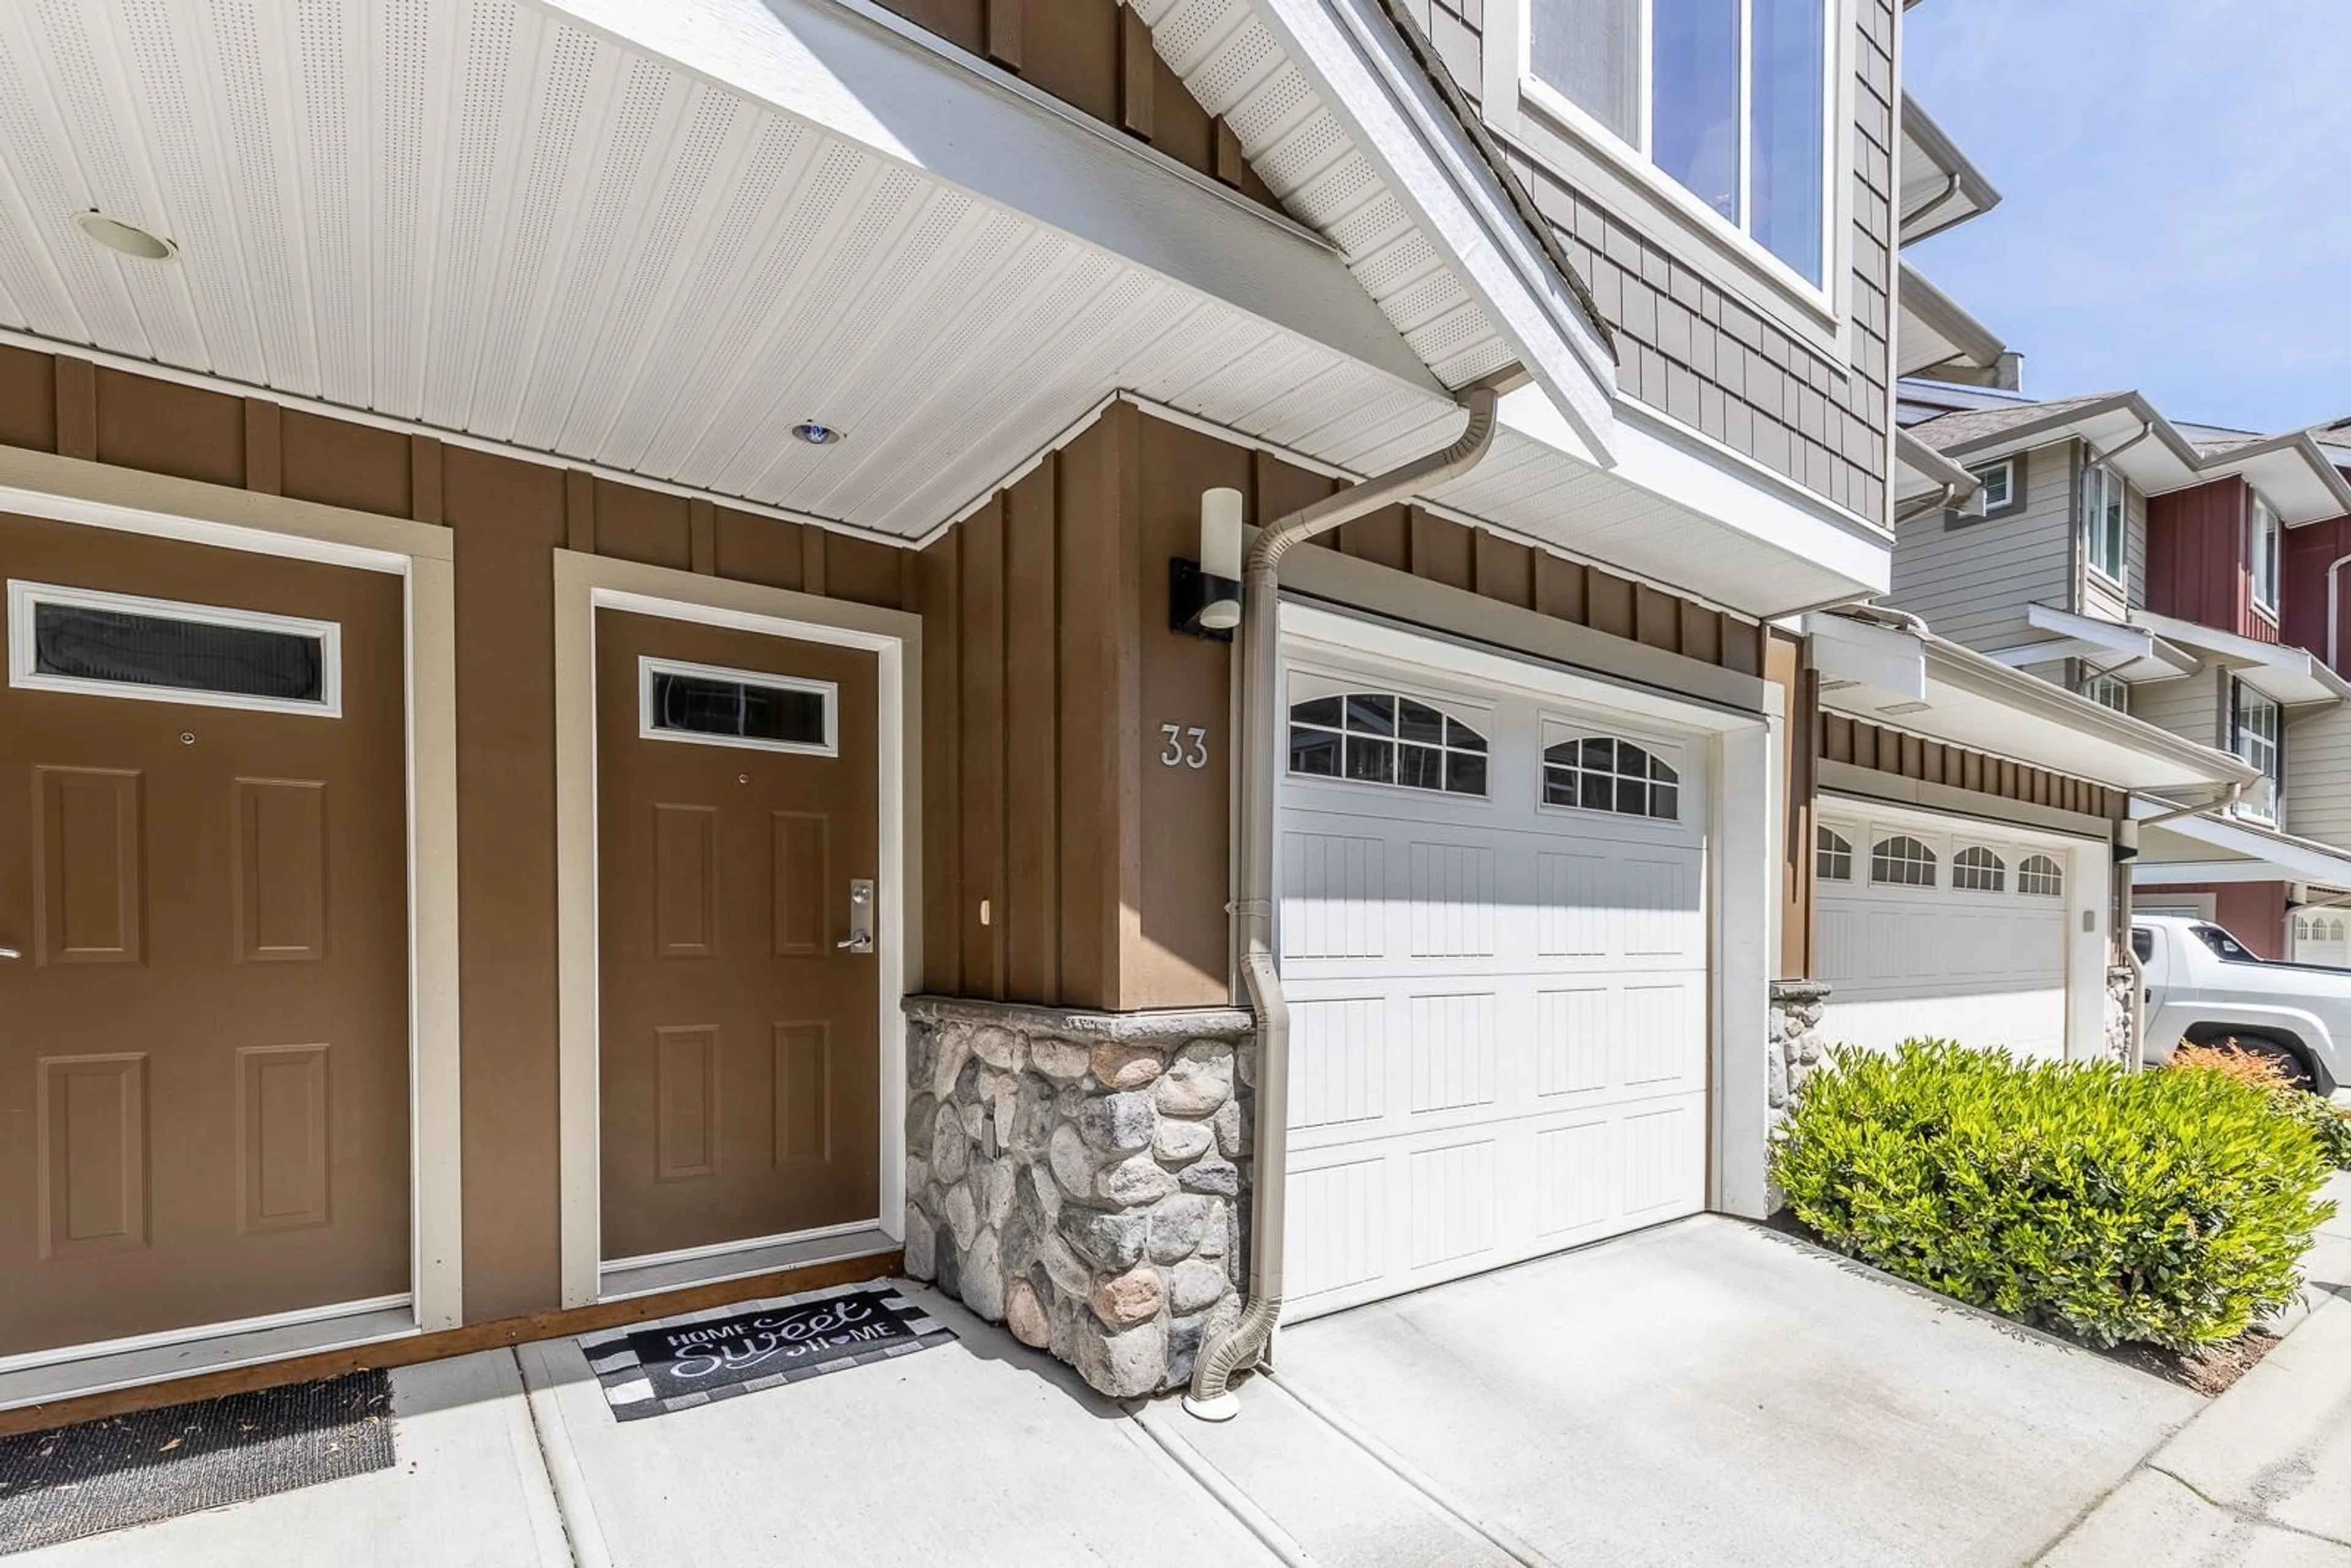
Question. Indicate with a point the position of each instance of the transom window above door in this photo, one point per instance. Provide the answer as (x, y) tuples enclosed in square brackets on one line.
[(709, 706), (1901, 860), (1727, 99), (1381, 738), (1601, 773), (78, 640)]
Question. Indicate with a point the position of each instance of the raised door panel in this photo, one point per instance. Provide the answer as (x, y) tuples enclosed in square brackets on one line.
[(803, 1092), (281, 1135), (801, 842), (89, 907), (91, 1150), (685, 881), (280, 870), (685, 1102)]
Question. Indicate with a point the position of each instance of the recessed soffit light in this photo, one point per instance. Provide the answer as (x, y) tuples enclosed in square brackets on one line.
[(125, 239), (817, 434)]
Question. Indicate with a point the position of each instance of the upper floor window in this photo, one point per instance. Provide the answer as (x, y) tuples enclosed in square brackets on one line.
[(2255, 738), (2103, 528), (1995, 487), (1600, 773), (1377, 737), (1727, 97), (2263, 553), (2108, 691)]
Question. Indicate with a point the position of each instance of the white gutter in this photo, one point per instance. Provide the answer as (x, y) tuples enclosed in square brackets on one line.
[(1211, 1398)]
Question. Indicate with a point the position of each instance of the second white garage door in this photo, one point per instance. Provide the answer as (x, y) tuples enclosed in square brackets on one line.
[(1492, 926), (1942, 928)]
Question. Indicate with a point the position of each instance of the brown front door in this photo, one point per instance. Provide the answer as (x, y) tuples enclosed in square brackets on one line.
[(738, 780), (204, 1044)]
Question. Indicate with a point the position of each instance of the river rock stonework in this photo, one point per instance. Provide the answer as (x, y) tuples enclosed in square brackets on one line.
[(2120, 983), (1079, 1177), (1796, 1046)]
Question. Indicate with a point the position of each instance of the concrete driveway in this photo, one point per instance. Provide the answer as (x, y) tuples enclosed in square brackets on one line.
[(1704, 1393)]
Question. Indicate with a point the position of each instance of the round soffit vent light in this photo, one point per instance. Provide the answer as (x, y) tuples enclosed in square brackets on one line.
[(125, 239), (817, 434)]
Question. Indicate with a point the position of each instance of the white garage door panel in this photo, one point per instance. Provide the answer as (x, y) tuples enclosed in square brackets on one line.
[(1978, 967), (1498, 1016)]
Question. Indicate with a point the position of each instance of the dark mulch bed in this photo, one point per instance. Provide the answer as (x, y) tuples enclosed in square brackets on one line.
[(2209, 1371)]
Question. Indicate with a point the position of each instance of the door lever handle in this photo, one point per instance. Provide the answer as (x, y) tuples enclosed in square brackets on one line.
[(861, 918), (8, 953)]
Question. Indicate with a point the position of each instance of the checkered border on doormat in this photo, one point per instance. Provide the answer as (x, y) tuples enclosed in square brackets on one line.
[(631, 1393)]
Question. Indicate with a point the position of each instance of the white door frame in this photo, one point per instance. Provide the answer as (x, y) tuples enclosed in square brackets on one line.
[(1740, 892), (2088, 865), (584, 584), (95, 494)]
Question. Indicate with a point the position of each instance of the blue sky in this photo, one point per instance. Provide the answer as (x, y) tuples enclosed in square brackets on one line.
[(2175, 184)]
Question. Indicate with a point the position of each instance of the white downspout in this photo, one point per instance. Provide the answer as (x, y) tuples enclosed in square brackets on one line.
[(1211, 1397), (2335, 612)]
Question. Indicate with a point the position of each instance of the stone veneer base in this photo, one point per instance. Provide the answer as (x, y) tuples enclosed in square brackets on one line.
[(1081, 1178)]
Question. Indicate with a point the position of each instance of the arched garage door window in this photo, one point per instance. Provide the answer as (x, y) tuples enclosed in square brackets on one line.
[(2040, 877), (1902, 861), (1378, 738)]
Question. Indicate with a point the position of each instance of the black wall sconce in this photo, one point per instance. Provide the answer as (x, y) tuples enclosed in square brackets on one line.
[(1203, 597)]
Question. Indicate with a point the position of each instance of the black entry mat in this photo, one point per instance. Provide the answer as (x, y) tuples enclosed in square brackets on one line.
[(156, 1464), (679, 1362)]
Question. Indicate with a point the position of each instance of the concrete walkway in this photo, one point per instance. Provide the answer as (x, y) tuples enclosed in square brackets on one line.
[(1706, 1392), (2262, 1476)]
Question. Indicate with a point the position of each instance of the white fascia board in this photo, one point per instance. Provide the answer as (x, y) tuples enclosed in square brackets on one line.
[(1958, 188), (897, 99), (1966, 698), (1691, 473), (1355, 60), (2281, 672), (2146, 656), (1934, 329), (2278, 855), (1920, 471), (1887, 662), (2293, 475)]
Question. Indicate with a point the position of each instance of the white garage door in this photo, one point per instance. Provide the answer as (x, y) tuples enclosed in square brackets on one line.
[(1941, 929), (1493, 936)]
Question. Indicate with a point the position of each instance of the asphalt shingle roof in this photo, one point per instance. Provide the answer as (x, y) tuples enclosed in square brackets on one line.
[(1972, 424)]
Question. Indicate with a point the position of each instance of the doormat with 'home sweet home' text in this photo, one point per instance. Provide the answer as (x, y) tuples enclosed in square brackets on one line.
[(679, 1362)]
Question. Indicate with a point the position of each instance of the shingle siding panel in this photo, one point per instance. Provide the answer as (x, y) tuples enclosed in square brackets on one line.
[(1706, 356)]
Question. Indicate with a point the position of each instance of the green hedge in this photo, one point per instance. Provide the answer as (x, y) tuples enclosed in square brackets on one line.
[(2171, 1207)]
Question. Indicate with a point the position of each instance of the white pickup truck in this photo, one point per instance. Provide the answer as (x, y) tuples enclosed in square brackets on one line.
[(2204, 986)]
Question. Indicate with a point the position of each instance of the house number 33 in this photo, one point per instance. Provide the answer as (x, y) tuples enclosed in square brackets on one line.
[(1185, 748)]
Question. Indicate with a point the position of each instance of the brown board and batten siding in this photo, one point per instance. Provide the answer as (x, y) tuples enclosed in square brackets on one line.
[(1859, 744), (507, 515), (1103, 869), (1097, 57)]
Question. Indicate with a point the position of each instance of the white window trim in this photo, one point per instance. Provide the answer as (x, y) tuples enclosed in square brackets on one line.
[(2241, 700), (2093, 524), (648, 668), (24, 596), (2093, 684), (1557, 732), (1980, 504), (1821, 311), (2256, 511)]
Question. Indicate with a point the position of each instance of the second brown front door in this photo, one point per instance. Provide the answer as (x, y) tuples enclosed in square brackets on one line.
[(203, 913), (737, 814)]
